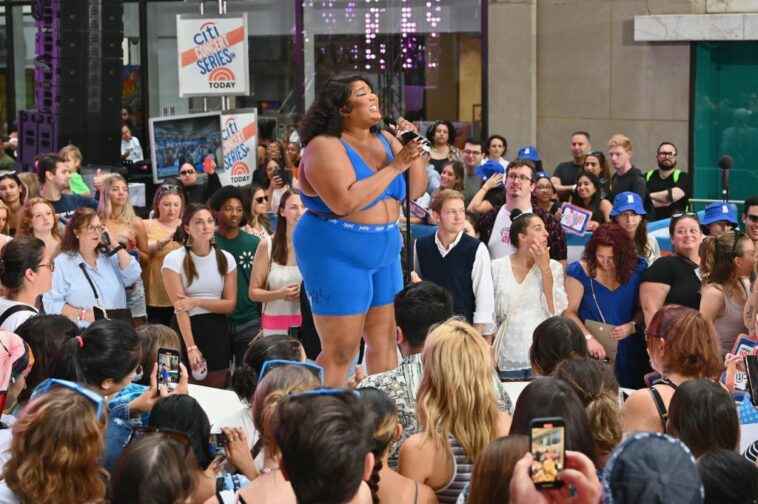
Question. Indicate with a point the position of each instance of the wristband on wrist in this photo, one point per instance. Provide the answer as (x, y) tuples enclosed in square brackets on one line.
[(82, 314), (191, 348), (588, 337)]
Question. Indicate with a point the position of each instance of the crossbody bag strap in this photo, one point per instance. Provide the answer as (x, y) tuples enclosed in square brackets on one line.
[(594, 298), (269, 247), (89, 281)]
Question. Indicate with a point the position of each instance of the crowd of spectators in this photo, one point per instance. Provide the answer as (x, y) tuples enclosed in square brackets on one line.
[(626, 345)]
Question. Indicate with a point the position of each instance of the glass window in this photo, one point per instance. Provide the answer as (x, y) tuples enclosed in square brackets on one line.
[(424, 56), (726, 117)]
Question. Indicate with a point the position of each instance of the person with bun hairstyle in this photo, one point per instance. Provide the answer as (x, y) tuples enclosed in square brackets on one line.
[(37, 219), (26, 272), (726, 264), (683, 345), (597, 388), (56, 451), (201, 280), (106, 358), (529, 288), (155, 469), (387, 485), (89, 274), (272, 486)]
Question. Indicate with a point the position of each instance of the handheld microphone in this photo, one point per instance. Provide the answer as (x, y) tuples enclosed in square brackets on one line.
[(725, 164), (407, 136)]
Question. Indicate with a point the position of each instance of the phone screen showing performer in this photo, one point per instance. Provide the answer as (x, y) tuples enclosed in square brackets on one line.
[(547, 441), (751, 367), (168, 367)]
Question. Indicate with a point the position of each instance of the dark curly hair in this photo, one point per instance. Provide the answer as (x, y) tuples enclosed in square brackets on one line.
[(624, 252), (450, 131), (325, 115)]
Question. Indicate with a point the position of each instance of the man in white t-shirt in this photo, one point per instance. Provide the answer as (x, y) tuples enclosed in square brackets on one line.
[(519, 184)]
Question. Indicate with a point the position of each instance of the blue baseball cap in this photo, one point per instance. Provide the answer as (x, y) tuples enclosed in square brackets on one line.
[(720, 211), (540, 175), (530, 153), (488, 169), (627, 201)]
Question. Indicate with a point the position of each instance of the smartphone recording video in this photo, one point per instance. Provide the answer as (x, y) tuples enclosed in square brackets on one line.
[(168, 367), (547, 441), (751, 367), (217, 441)]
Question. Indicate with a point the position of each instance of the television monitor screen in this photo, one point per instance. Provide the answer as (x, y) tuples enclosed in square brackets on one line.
[(184, 139)]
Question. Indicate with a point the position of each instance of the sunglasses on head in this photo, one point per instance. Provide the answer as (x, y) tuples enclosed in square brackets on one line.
[(88, 393), (261, 199), (269, 365)]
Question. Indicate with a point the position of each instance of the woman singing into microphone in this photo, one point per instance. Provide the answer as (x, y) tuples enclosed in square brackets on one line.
[(348, 244)]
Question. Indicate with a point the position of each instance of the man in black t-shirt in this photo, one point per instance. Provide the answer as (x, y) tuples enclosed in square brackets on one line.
[(669, 187), (54, 176), (627, 177), (566, 173)]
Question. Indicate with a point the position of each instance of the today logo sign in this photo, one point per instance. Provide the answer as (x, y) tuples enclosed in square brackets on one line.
[(213, 55)]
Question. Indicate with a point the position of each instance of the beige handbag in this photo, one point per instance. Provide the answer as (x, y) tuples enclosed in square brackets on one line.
[(601, 331)]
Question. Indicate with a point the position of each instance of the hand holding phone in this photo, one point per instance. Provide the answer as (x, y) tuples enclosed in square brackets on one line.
[(751, 367), (547, 442)]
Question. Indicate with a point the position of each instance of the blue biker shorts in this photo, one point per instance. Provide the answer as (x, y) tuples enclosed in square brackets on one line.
[(347, 267)]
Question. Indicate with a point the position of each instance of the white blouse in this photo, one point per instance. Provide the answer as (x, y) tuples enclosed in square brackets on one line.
[(530, 308)]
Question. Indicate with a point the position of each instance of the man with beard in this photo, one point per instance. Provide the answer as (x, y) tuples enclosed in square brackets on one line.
[(669, 187)]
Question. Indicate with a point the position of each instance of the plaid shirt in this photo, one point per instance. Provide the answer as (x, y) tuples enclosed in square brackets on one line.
[(401, 384), (556, 239)]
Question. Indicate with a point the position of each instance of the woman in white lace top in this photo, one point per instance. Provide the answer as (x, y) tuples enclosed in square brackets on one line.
[(528, 289)]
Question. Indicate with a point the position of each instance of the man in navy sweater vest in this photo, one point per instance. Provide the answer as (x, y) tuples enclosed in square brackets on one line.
[(457, 261)]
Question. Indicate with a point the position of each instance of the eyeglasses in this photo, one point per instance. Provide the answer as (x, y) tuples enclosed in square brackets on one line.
[(261, 199), (93, 229), (472, 153), (752, 218), (180, 437), (269, 365), (187, 172), (88, 393), (666, 154), (520, 178), (50, 265)]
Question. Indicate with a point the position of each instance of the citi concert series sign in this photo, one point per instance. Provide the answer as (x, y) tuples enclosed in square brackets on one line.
[(238, 144), (213, 55)]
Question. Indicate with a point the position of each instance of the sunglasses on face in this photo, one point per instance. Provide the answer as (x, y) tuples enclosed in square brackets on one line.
[(752, 218), (261, 199), (187, 172)]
